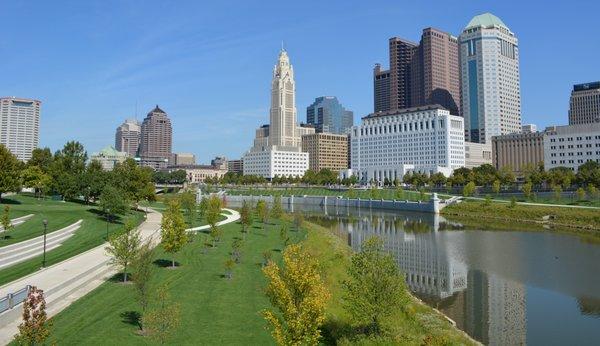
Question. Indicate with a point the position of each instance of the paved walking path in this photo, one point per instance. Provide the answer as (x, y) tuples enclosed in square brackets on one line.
[(67, 281), (21, 251), (17, 221), (537, 204)]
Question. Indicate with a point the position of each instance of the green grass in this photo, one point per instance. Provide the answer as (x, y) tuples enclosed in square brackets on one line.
[(584, 219), (214, 310), (387, 194), (59, 214), (573, 200)]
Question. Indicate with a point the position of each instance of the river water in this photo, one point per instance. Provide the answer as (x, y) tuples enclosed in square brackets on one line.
[(501, 287)]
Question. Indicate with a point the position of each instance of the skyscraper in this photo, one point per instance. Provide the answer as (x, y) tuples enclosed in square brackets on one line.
[(277, 147), (156, 139), (420, 74), (491, 93), (381, 89), (328, 115), (584, 106), (127, 137), (20, 125)]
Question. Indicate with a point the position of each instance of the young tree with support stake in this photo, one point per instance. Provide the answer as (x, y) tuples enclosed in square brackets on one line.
[(245, 217), (173, 233), (142, 271), (263, 212), (5, 221), (124, 247), (164, 319), (35, 328)]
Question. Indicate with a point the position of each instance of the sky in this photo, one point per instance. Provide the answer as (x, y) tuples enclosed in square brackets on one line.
[(209, 64)]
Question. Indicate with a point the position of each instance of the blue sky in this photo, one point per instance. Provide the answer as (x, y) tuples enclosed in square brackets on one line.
[(208, 64)]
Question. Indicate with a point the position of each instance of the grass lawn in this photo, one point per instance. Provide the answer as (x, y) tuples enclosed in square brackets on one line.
[(572, 200), (585, 219), (388, 193), (215, 310), (59, 214)]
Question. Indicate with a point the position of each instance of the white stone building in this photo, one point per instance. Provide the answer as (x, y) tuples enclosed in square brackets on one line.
[(109, 157), (477, 154), (20, 125), (571, 145), (277, 148), (424, 139), (491, 93)]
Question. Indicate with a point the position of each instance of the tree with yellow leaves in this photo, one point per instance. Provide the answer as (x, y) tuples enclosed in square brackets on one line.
[(173, 234), (299, 294)]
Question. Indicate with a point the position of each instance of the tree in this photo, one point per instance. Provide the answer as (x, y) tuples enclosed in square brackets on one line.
[(142, 270), (506, 175), (298, 220), (527, 189), (164, 319), (236, 250), (438, 179), (276, 211), (132, 179), (187, 200), (41, 158), (263, 212), (399, 193), (203, 206), (229, 264), (375, 287), (469, 189), (94, 181), (213, 211), (592, 190), (557, 192), (245, 217), (580, 194), (173, 233), (124, 247), (35, 328), (33, 177), (5, 221), (113, 200), (351, 193), (9, 171), (300, 296), (266, 257), (67, 170), (496, 186), (283, 235)]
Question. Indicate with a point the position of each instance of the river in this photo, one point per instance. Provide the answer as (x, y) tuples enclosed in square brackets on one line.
[(501, 287)]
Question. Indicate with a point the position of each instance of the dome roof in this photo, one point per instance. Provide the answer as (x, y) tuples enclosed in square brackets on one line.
[(485, 20)]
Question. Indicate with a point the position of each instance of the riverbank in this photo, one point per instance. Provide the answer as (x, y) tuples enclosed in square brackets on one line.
[(584, 221), (217, 310)]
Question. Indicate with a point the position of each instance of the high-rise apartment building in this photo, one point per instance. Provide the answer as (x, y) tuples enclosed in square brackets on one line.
[(328, 115), (584, 106), (277, 147), (20, 125), (156, 139), (326, 150), (127, 137), (420, 74), (491, 93), (381, 89), (235, 166)]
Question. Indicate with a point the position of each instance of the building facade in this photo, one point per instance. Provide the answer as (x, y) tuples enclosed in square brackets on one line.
[(518, 150), (328, 115), (326, 150), (127, 137), (198, 173), (219, 162), (491, 93), (184, 159), (109, 157), (477, 154), (401, 54), (571, 145), (156, 139), (584, 106), (20, 125), (381, 89), (424, 139), (235, 166), (277, 148)]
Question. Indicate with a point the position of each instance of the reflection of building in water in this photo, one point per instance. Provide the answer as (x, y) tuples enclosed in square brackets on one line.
[(425, 261), (495, 310)]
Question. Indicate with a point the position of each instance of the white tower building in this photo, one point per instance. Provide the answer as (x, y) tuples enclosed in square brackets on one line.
[(277, 146), (491, 93), (20, 125)]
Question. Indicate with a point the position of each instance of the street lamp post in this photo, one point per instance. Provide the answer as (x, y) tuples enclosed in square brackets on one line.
[(45, 231), (107, 221)]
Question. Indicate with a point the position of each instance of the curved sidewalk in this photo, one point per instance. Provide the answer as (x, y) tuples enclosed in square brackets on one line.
[(67, 281), (17, 221)]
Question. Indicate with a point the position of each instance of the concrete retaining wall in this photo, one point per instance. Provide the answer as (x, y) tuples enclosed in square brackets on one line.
[(431, 206)]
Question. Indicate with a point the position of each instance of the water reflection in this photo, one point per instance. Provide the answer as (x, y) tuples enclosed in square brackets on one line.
[(482, 280)]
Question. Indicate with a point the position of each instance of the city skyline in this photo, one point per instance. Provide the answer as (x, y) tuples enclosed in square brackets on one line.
[(140, 69)]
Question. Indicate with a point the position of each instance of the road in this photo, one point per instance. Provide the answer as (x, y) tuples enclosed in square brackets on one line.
[(67, 281)]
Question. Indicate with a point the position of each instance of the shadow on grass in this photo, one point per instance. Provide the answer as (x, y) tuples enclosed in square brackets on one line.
[(333, 330), (131, 317), (9, 201), (164, 263), (114, 219), (118, 278)]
